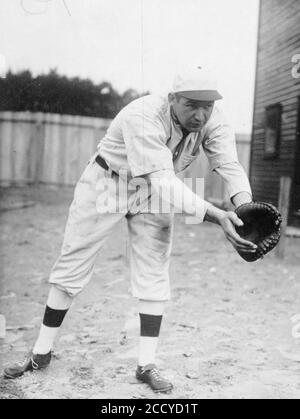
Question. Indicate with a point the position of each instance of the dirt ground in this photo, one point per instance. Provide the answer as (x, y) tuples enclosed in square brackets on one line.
[(227, 332)]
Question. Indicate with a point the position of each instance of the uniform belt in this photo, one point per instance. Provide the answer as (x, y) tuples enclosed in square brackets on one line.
[(100, 160)]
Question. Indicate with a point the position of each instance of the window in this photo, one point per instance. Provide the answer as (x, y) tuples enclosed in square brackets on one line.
[(272, 131)]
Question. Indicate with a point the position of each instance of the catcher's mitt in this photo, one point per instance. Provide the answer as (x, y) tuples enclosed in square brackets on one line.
[(261, 227)]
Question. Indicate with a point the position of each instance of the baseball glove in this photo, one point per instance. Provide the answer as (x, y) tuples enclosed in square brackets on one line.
[(261, 227)]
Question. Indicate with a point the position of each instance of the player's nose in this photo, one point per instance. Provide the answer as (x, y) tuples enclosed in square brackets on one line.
[(199, 115)]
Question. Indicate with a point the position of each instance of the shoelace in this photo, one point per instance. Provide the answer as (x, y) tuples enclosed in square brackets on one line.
[(25, 360), (156, 374), (35, 366)]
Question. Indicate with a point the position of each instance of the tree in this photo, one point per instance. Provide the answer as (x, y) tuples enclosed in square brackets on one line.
[(55, 93)]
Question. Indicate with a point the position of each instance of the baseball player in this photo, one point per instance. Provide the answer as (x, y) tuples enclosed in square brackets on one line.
[(147, 143)]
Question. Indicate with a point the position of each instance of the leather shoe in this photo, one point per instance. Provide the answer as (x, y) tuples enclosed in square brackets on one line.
[(149, 374), (30, 363)]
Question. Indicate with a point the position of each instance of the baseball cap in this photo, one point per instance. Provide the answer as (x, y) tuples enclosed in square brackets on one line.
[(197, 84)]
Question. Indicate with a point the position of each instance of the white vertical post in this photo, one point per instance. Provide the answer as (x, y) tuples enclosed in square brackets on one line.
[(283, 206)]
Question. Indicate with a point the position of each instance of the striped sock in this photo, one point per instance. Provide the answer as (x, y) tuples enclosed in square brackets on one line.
[(150, 327), (57, 306)]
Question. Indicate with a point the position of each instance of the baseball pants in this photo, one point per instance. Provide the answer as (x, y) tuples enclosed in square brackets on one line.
[(90, 223)]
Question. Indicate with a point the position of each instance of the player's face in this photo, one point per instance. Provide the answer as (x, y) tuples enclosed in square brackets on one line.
[(192, 114)]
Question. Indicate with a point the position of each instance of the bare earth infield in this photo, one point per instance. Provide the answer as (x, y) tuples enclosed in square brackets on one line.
[(227, 332)]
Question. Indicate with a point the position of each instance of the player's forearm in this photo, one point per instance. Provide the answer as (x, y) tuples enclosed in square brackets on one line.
[(176, 193), (214, 215), (236, 181), (241, 198)]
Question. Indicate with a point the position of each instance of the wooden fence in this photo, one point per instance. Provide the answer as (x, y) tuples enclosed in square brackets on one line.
[(47, 148), (54, 149)]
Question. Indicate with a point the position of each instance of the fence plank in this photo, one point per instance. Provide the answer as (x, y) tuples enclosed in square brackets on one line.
[(46, 153), (39, 138), (5, 147), (73, 155), (21, 143), (55, 168)]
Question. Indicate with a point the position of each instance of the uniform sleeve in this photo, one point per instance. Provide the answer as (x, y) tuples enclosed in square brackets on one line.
[(220, 148), (219, 141), (235, 178), (145, 142)]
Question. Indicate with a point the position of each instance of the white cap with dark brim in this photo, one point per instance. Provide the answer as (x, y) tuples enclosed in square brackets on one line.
[(196, 84)]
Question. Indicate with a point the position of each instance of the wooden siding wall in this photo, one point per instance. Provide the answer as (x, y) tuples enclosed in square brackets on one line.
[(279, 41)]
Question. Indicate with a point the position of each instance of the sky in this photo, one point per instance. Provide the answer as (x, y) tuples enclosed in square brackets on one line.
[(138, 44)]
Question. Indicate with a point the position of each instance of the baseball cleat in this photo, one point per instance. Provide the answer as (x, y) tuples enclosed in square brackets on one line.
[(30, 363), (149, 374)]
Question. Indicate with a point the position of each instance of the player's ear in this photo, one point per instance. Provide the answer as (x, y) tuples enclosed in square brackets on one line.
[(171, 97)]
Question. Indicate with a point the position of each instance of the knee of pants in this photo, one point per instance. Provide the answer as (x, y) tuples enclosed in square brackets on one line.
[(71, 289), (66, 291), (158, 291), (69, 279), (150, 282)]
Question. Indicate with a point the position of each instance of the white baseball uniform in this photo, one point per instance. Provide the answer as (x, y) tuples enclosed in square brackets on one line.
[(143, 138)]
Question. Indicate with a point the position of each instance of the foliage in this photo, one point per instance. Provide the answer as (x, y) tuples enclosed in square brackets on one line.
[(54, 93)]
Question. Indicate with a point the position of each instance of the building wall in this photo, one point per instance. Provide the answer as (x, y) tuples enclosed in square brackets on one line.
[(278, 42)]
